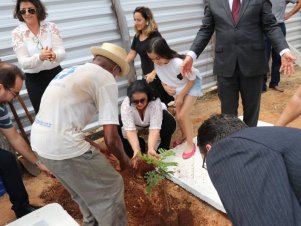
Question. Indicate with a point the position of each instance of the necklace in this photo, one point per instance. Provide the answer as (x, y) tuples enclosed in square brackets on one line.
[(37, 41)]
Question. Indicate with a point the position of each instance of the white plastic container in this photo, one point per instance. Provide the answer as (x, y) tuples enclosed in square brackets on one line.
[(50, 215)]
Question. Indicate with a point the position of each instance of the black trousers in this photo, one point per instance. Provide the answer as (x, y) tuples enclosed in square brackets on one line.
[(12, 180), (36, 83), (167, 129), (249, 89)]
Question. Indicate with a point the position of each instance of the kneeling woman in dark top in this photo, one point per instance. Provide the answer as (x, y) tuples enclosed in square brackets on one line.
[(143, 120)]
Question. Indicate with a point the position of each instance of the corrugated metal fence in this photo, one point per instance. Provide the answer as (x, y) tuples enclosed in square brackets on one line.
[(87, 23)]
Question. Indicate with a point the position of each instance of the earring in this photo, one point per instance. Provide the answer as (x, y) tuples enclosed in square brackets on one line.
[(147, 23)]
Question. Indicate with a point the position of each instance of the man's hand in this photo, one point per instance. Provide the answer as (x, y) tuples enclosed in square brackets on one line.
[(286, 16), (125, 164), (186, 68), (287, 63), (43, 168)]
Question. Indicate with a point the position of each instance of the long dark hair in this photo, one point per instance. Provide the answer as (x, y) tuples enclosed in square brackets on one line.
[(159, 46), (41, 10), (140, 86)]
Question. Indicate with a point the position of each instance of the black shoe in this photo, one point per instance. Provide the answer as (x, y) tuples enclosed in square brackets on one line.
[(276, 88), (26, 210)]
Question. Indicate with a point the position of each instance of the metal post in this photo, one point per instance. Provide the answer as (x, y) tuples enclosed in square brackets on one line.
[(125, 34)]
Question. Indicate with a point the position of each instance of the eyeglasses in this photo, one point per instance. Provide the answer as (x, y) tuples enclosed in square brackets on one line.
[(12, 92), (140, 101), (29, 10), (204, 165)]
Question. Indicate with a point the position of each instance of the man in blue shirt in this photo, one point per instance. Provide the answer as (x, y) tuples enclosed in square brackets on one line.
[(11, 81)]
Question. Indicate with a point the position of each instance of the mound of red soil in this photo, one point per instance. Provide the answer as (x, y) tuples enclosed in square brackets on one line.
[(154, 209)]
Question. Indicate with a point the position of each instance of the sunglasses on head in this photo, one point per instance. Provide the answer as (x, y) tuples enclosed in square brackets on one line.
[(140, 101), (29, 10)]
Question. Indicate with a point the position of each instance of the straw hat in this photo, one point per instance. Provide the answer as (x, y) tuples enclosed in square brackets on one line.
[(114, 53)]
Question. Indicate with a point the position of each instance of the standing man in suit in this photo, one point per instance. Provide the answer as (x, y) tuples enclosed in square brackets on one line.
[(240, 62), (256, 171)]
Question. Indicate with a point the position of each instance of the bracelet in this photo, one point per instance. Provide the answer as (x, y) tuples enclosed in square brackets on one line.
[(38, 162)]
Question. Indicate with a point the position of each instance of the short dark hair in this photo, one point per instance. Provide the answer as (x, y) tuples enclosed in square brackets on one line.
[(9, 73), (41, 10), (159, 46), (140, 86), (216, 127)]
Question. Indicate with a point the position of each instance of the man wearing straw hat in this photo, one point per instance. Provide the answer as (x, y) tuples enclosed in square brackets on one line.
[(69, 103)]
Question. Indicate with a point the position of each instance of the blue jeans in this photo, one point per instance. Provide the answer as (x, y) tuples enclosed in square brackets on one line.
[(276, 60), (12, 180)]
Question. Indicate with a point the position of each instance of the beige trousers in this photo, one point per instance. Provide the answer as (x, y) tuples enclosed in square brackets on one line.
[(95, 185)]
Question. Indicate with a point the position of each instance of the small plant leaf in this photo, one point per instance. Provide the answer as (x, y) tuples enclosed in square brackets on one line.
[(154, 177)]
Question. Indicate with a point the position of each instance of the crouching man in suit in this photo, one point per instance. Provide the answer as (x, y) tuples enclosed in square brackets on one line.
[(256, 171)]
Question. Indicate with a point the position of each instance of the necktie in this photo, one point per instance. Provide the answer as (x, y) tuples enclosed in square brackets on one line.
[(235, 10)]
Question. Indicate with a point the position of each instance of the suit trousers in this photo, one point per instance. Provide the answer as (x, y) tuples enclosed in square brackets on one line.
[(12, 180), (95, 185), (249, 89)]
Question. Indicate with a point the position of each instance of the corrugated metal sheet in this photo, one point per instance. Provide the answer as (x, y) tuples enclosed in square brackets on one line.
[(293, 26), (178, 22), (87, 23)]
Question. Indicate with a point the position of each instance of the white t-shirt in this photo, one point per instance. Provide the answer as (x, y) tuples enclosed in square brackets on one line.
[(131, 119), (168, 74), (69, 103)]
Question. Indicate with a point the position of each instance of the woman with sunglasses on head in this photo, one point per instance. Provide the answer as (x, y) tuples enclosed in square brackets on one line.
[(38, 47), (143, 118), (146, 28)]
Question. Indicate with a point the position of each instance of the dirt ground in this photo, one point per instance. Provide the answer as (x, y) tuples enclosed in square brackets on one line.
[(168, 204)]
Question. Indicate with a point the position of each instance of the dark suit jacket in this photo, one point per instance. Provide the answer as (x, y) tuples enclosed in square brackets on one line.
[(257, 174), (242, 43)]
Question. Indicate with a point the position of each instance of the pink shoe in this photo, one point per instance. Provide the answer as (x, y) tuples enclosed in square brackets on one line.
[(189, 154), (176, 143)]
